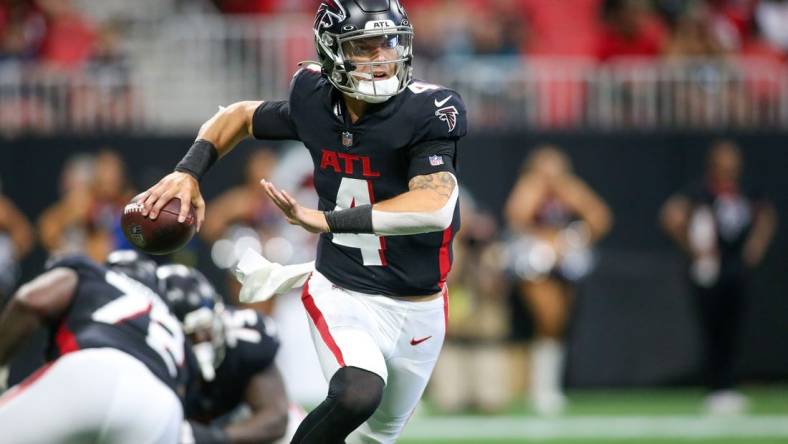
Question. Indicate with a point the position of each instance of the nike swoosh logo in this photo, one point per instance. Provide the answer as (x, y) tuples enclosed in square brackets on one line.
[(442, 102), (415, 341)]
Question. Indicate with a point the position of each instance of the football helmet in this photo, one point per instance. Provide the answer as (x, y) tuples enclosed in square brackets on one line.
[(197, 305), (365, 47), (134, 265)]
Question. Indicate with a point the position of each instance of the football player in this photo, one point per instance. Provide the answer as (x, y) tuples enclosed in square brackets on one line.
[(384, 148), (116, 359), (235, 350)]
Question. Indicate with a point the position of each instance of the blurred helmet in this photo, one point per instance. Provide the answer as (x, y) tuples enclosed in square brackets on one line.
[(197, 305), (365, 47), (134, 265)]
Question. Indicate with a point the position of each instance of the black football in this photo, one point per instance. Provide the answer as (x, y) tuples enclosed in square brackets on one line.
[(161, 236)]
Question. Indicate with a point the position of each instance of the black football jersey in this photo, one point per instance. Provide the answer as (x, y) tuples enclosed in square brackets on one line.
[(414, 133), (112, 310), (251, 343)]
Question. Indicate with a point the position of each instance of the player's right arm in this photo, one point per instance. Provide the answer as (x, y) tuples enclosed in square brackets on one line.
[(217, 137), (40, 300), (266, 396)]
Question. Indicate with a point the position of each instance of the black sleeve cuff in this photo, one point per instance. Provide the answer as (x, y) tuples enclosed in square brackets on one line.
[(271, 121), (433, 156)]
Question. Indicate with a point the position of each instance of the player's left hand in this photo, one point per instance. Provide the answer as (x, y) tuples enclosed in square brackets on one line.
[(311, 220)]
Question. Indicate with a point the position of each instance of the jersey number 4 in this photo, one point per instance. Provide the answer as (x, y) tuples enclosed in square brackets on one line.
[(354, 192)]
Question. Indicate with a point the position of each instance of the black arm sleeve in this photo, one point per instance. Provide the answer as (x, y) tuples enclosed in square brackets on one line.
[(432, 156), (272, 121)]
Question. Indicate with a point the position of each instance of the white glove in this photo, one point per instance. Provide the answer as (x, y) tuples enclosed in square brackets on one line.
[(261, 279)]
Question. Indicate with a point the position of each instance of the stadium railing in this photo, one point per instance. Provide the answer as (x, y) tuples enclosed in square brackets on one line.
[(177, 72)]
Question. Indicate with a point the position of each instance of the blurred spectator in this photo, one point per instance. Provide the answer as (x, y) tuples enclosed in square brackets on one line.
[(732, 21), (103, 97), (695, 34), (439, 37), (724, 226), (245, 204), (87, 218), (70, 38), (556, 218), (772, 20), (498, 29), (22, 28), (60, 226), (630, 30), (266, 6), (16, 241), (562, 28), (472, 371)]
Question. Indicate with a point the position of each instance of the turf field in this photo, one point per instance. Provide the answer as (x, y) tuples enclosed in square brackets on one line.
[(597, 417)]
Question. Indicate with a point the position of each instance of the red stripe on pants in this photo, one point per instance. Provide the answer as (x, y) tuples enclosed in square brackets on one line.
[(320, 323)]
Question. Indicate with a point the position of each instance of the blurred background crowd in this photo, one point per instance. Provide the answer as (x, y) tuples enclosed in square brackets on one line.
[(70, 34), (623, 183), (81, 65)]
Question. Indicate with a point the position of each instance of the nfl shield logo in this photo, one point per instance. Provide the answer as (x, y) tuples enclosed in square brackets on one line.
[(347, 139), (436, 160)]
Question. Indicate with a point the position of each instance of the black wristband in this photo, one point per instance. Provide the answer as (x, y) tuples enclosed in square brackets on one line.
[(353, 220), (199, 159)]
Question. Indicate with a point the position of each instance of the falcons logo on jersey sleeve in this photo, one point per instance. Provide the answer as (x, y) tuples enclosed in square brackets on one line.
[(329, 13), (448, 114)]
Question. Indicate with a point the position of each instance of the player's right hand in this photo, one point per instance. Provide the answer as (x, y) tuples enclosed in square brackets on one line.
[(176, 184)]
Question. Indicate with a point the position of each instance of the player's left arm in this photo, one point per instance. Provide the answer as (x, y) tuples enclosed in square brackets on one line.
[(45, 297), (427, 206), (266, 396)]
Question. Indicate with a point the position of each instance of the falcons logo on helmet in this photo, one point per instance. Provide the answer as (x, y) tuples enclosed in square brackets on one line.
[(448, 114), (328, 13)]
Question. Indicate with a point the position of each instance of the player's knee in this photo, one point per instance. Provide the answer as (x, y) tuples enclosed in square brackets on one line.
[(356, 392)]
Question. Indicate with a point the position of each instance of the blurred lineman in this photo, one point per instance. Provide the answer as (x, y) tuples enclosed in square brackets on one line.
[(87, 218), (558, 218), (117, 356), (235, 352), (384, 151), (724, 227)]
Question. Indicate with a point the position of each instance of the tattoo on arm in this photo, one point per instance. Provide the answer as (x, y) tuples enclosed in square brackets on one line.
[(442, 183)]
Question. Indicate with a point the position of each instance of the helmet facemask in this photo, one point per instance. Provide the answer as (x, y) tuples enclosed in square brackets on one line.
[(205, 328), (371, 65)]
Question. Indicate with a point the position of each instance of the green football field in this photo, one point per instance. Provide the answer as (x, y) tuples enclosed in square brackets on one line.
[(597, 417)]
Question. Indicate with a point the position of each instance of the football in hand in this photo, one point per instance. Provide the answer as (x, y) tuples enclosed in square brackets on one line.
[(163, 235)]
